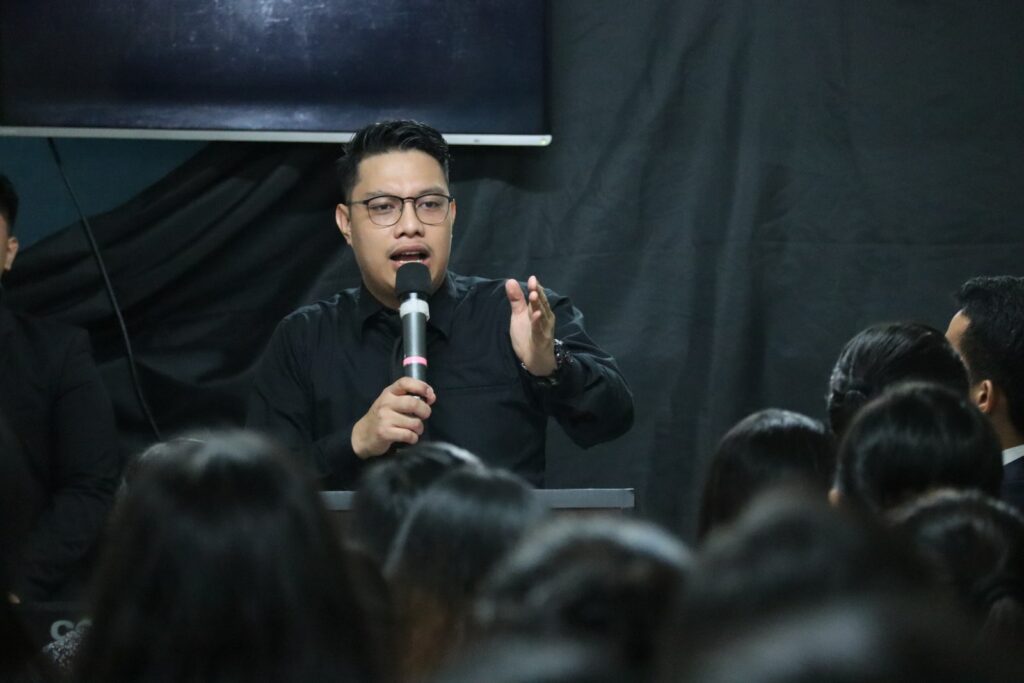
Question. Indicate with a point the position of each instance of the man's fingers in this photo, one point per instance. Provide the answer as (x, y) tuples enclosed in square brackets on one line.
[(515, 295), (397, 435), (407, 386), (410, 405), (404, 422)]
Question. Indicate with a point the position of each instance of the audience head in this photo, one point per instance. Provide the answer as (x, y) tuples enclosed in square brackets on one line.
[(976, 545), (884, 355), (162, 449), (914, 438), (871, 640), (520, 658), (988, 331), (222, 564), (8, 214), (764, 449), (390, 136), (388, 488), (453, 535), (791, 549), (608, 580)]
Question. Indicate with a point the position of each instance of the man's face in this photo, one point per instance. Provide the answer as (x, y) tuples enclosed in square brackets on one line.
[(8, 246), (955, 331), (380, 251)]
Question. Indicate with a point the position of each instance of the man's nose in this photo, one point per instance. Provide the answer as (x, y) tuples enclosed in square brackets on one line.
[(409, 223)]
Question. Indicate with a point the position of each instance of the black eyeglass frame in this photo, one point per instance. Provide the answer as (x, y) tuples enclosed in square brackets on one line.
[(401, 212)]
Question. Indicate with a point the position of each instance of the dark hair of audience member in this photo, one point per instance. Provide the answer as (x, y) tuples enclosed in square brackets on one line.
[(914, 438), (887, 354), (174, 447), (223, 565), (608, 580), (21, 660), (993, 343), (536, 658), (8, 202), (791, 549), (768, 447), (389, 136), (976, 544), (388, 488), (871, 639), (456, 531)]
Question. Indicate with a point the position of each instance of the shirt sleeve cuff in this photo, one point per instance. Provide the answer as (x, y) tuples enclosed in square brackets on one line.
[(335, 460)]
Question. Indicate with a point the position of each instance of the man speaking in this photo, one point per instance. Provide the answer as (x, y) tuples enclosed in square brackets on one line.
[(502, 356)]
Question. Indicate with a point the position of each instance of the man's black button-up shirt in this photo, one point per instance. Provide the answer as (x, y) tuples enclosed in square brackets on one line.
[(328, 362)]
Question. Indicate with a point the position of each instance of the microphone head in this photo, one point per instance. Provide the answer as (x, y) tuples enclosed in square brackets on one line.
[(412, 278)]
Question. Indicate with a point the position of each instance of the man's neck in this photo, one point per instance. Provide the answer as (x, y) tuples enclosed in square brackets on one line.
[(1009, 437)]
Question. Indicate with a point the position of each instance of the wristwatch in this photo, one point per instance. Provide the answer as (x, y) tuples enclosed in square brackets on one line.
[(562, 360)]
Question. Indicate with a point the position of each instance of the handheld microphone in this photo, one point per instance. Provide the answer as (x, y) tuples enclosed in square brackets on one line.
[(412, 287)]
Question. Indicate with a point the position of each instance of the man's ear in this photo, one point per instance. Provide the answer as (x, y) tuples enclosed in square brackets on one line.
[(341, 217), (12, 251), (985, 396)]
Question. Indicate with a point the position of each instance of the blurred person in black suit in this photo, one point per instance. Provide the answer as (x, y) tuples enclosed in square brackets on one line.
[(54, 402), (988, 331)]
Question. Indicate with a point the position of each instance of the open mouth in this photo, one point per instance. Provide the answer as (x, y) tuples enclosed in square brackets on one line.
[(408, 256)]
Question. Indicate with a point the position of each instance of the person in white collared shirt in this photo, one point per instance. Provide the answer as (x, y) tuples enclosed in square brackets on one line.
[(988, 331)]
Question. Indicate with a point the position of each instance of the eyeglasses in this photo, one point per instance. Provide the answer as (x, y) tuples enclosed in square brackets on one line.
[(386, 210)]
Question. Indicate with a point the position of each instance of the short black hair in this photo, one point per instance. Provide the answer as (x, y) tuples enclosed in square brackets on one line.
[(887, 354), (8, 202), (389, 136), (914, 438), (976, 544), (993, 343), (607, 579), (790, 549), (388, 488), (765, 448), (451, 538)]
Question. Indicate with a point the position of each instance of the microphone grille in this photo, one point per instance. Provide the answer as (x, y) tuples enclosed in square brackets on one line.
[(412, 278)]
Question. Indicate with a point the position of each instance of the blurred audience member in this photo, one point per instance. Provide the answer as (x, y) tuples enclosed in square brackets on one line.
[(988, 331), (766, 448), (872, 640), (610, 581), (388, 487), (791, 549), (223, 565), (887, 354), (521, 658), (976, 544), (20, 658), (55, 402), (455, 532), (914, 438), (175, 447)]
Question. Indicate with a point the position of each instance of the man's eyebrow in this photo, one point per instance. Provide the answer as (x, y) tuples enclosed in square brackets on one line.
[(432, 189)]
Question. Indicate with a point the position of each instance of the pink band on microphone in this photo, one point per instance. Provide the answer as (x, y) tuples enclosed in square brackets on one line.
[(414, 360)]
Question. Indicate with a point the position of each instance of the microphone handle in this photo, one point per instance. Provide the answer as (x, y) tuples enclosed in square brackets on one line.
[(414, 346)]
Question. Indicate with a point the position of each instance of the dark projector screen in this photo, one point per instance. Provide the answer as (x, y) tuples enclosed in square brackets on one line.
[(272, 69)]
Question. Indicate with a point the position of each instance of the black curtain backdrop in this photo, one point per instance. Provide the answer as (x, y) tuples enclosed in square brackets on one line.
[(734, 189)]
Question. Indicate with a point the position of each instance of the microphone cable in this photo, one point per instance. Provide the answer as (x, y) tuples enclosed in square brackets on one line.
[(133, 370)]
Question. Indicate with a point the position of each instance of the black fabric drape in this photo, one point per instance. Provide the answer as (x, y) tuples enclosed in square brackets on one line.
[(204, 264), (734, 189)]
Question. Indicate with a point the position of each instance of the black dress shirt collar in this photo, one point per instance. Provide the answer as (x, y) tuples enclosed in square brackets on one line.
[(442, 307)]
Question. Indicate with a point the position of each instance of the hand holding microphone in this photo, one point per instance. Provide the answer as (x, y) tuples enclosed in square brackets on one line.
[(398, 413)]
